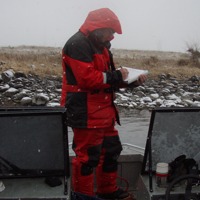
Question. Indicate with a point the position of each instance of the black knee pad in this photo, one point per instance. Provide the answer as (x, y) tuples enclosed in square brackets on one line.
[(112, 146), (113, 149), (110, 166), (94, 155)]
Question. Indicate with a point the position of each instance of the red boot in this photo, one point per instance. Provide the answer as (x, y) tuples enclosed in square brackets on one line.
[(107, 186)]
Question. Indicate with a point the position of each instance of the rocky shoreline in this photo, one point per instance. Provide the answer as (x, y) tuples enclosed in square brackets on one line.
[(19, 89)]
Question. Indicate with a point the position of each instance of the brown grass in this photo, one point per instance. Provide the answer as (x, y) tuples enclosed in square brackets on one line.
[(40, 63), (157, 67), (47, 61)]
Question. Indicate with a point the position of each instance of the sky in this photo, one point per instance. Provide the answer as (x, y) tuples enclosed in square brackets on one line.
[(160, 25)]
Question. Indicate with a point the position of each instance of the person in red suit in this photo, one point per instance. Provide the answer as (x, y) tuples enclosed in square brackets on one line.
[(89, 82)]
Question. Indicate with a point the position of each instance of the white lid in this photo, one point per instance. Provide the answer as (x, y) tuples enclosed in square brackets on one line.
[(162, 168)]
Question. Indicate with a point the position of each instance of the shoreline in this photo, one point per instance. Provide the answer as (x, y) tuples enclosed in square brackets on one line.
[(19, 89), (31, 75)]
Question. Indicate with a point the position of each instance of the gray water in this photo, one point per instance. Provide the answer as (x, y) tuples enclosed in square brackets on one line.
[(134, 127)]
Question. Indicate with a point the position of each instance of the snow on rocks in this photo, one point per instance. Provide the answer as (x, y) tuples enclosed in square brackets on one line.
[(29, 90), (18, 89), (166, 92)]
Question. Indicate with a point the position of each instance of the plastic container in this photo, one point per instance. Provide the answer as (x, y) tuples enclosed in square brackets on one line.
[(162, 170)]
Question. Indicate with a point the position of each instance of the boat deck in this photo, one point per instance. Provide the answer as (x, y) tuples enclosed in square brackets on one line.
[(35, 188)]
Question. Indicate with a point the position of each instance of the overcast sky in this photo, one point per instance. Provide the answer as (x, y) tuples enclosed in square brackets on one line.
[(164, 25)]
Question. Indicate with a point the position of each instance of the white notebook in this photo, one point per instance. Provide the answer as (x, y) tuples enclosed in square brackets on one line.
[(134, 74)]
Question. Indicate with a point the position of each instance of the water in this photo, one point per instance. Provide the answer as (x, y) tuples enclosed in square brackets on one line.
[(134, 127)]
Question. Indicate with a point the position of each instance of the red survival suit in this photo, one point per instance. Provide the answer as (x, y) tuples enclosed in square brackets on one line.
[(90, 109)]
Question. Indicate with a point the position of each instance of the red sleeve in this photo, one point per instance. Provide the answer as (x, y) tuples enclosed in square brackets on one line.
[(86, 74)]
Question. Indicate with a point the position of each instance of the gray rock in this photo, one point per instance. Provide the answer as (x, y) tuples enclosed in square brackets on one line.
[(18, 89), (7, 75), (4, 87), (25, 101), (154, 96), (40, 99), (146, 99), (10, 92)]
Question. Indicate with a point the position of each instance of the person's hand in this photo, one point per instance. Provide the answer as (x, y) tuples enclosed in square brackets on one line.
[(124, 73), (141, 79)]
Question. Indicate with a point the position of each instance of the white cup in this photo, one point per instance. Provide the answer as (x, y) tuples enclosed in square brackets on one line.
[(162, 170), (2, 186)]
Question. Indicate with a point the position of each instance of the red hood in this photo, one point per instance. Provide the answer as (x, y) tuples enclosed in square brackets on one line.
[(101, 18)]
